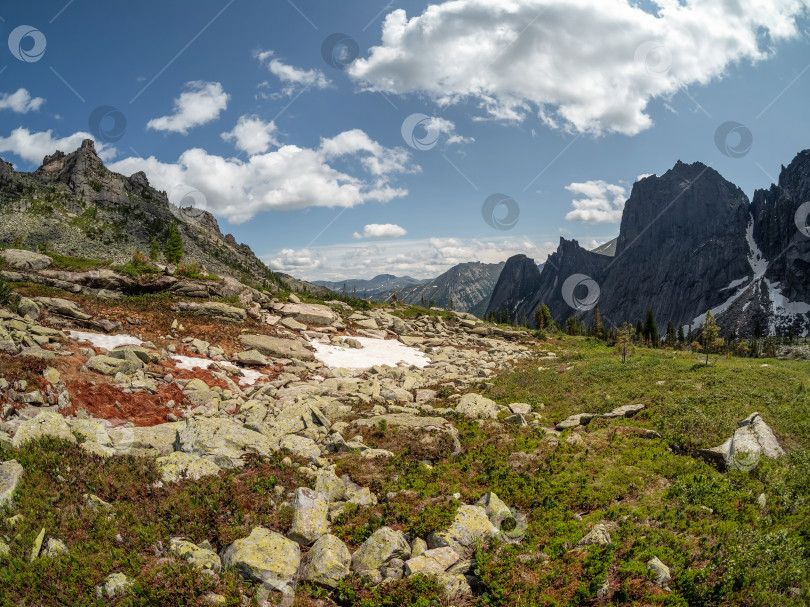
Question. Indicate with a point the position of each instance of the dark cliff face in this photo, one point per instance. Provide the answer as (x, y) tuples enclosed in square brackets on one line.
[(781, 228), (685, 247)]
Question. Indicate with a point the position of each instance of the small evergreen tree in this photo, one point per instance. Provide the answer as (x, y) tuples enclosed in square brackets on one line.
[(596, 325), (173, 249), (624, 340), (681, 338), (450, 305), (651, 329), (154, 250), (542, 317), (711, 335), (671, 337)]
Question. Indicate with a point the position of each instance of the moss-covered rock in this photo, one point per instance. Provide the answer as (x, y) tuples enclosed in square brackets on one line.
[(264, 556), (327, 561)]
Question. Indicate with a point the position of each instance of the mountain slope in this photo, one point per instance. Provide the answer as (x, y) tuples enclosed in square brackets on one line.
[(689, 241), (74, 205), (469, 285)]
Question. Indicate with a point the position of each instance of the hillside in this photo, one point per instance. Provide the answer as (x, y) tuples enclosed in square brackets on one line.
[(73, 205), (382, 283)]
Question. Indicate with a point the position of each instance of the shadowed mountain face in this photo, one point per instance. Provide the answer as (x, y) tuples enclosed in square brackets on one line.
[(689, 241), (382, 283), (468, 285), (76, 206)]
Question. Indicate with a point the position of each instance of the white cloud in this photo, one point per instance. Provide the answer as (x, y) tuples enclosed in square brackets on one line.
[(293, 78), (33, 147), (425, 258), (587, 66), (644, 176), (602, 202), (288, 178), (20, 102), (199, 104), (252, 135), (381, 230)]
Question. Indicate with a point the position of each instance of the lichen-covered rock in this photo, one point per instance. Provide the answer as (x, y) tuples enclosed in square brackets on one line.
[(26, 261), (309, 522), (89, 430), (107, 365), (327, 561), (661, 571), (475, 406), (598, 535), (10, 474), (114, 585), (624, 411), (55, 548), (276, 346), (752, 440), (47, 423), (264, 556), (493, 505), (580, 419), (311, 314), (301, 446), (201, 557), (330, 486), (223, 441), (433, 561), (453, 584), (382, 546), (179, 465), (213, 309), (470, 525)]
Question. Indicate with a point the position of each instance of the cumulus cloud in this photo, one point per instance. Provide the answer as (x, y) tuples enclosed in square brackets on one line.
[(418, 258), (380, 230), (292, 77), (588, 66), (199, 104), (33, 147), (601, 202), (644, 176), (288, 178), (20, 102), (252, 135)]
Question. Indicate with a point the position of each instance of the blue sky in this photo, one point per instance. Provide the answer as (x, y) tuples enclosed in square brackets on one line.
[(231, 105)]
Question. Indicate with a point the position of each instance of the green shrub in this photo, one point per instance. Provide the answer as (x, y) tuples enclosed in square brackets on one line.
[(137, 266)]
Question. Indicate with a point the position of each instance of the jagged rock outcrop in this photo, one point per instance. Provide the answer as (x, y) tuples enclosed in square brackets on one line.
[(76, 206), (689, 241)]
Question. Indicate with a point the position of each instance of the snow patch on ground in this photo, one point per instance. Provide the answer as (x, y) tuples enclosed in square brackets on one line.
[(735, 283), (374, 352), (108, 342), (189, 363), (782, 308), (755, 257)]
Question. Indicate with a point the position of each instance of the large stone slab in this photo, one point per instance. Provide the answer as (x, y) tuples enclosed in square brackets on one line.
[(310, 314), (213, 309), (309, 522), (277, 346), (223, 441), (475, 406), (752, 440), (47, 423), (382, 546), (470, 525), (264, 556), (25, 261), (327, 561)]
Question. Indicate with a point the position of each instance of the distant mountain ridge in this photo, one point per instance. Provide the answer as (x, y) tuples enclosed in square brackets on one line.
[(689, 241), (370, 287)]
